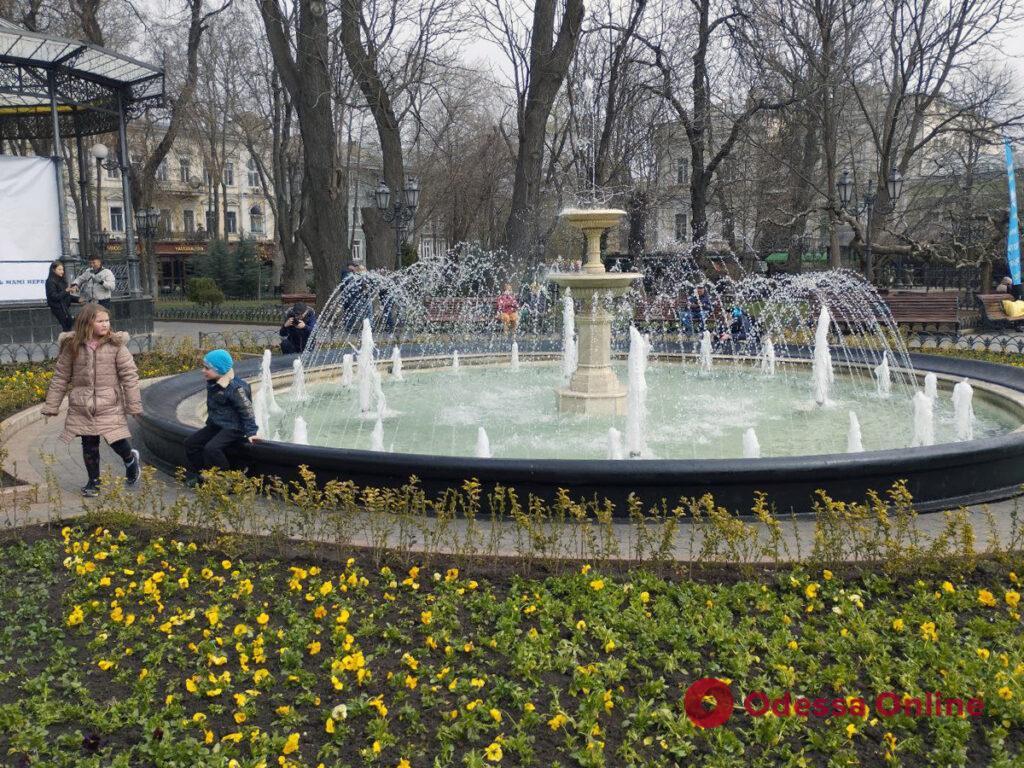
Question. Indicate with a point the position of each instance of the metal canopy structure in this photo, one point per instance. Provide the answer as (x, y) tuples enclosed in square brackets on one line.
[(87, 85), (51, 87)]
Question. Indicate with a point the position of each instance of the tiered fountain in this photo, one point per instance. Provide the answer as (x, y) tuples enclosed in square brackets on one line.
[(594, 388)]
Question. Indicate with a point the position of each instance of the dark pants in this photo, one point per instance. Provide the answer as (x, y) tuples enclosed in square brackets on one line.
[(105, 303), (63, 317), (91, 453), (206, 447)]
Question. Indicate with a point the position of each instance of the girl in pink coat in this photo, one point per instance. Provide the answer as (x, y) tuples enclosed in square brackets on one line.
[(98, 374)]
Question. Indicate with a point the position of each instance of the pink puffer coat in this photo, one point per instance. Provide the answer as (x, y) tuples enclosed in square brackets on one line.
[(102, 388)]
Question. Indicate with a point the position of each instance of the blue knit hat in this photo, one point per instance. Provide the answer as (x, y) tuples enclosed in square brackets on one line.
[(220, 360)]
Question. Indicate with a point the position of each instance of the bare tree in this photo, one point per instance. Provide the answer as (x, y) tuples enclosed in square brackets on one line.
[(539, 63), (306, 76)]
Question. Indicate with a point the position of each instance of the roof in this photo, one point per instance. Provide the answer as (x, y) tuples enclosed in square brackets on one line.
[(87, 80)]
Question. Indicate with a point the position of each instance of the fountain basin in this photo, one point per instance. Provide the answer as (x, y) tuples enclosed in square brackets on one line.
[(939, 477)]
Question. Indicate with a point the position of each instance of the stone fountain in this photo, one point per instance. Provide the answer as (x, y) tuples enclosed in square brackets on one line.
[(594, 387)]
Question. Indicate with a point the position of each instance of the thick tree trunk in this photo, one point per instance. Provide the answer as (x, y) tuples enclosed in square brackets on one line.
[(549, 63)]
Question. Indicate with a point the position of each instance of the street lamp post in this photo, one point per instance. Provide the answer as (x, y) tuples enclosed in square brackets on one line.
[(147, 221), (100, 154), (400, 212), (894, 186)]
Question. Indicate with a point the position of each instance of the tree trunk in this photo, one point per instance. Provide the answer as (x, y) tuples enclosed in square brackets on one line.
[(549, 63)]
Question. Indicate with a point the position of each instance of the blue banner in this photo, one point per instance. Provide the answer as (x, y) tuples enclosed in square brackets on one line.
[(1013, 230)]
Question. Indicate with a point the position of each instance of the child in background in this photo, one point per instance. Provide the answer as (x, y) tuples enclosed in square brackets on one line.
[(508, 309), (230, 419)]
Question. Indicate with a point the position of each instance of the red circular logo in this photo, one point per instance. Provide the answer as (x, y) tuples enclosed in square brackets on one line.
[(697, 711)]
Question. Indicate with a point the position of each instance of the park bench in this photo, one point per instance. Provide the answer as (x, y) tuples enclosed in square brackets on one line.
[(991, 307), (455, 310), (924, 309)]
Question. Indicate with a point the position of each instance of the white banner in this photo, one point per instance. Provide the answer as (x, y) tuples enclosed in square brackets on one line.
[(29, 226)]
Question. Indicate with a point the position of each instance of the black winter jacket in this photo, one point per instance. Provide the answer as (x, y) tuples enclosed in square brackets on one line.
[(230, 407)]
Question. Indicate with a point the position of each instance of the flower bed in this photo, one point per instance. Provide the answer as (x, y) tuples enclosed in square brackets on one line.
[(125, 649)]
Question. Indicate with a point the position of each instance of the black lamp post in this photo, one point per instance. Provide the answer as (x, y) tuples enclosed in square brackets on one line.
[(894, 186), (100, 153), (399, 212), (100, 240), (147, 222)]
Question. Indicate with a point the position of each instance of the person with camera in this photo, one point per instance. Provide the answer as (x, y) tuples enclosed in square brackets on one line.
[(298, 325), (96, 284)]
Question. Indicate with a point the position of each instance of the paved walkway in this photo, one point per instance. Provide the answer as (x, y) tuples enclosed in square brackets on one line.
[(175, 329), (37, 455)]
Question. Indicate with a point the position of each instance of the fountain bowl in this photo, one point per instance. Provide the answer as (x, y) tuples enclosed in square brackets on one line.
[(939, 477)]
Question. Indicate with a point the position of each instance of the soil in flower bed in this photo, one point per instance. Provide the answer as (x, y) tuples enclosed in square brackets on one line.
[(120, 647)]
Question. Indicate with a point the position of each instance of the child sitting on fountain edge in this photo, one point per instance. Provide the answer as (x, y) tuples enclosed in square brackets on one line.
[(230, 418)]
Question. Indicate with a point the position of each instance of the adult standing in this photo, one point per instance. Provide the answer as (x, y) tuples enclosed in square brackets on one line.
[(98, 374), (58, 298), (96, 284)]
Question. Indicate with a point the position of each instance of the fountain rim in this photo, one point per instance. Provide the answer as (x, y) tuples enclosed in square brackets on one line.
[(170, 392)]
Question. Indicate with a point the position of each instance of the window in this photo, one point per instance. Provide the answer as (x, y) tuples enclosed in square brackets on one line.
[(116, 219), (185, 168), (113, 172), (256, 220), (357, 250), (681, 227), (231, 223), (253, 173), (189, 220), (229, 174), (206, 175), (161, 171), (165, 222), (681, 171)]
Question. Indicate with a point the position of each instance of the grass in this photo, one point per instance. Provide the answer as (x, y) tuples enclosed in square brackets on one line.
[(122, 648)]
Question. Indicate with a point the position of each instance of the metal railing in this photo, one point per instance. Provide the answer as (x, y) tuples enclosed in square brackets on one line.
[(930, 277), (40, 352), (1001, 343), (244, 340), (264, 315)]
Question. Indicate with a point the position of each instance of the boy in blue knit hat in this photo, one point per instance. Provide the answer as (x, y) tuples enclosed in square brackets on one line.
[(230, 419)]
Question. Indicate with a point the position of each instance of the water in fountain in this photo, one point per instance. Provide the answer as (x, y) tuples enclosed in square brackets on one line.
[(515, 356), (822, 372), (347, 375), (298, 381), (924, 421), (854, 441), (705, 352), (377, 436), (445, 303), (455, 360), (570, 354), (267, 384), (396, 364), (884, 377), (483, 444), (636, 397), (751, 446), (963, 410), (768, 357), (931, 386), (300, 434), (615, 449)]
